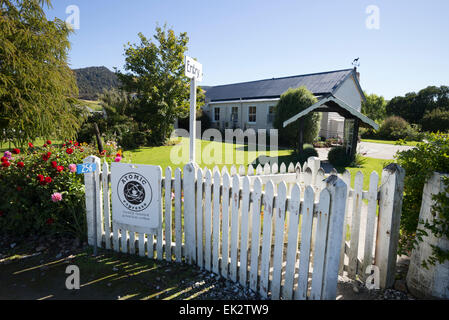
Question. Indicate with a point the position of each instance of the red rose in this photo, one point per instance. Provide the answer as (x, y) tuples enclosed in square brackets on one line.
[(45, 157), (48, 180), (63, 145), (76, 144), (40, 177), (20, 164), (48, 142), (69, 151), (4, 159), (30, 145), (59, 168), (6, 164), (45, 145), (49, 221), (19, 188), (48, 154), (16, 151), (70, 141), (54, 164)]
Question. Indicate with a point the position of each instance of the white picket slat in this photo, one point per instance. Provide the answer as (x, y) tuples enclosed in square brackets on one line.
[(141, 244), (216, 223), (225, 225), (370, 221), (243, 271), (255, 236), (266, 239), (283, 168), (200, 214), (292, 242), (235, 201), (160, 230), (306, 239), (291, 168), (168, 214), (346, 177), (355, 225), (279, 218), (178, 218), (106, 206), (208, 221), (320, 245), (189, 212), (132, 242)]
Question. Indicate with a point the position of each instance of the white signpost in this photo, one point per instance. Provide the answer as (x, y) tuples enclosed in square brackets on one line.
[(136, 196), (194, 71)]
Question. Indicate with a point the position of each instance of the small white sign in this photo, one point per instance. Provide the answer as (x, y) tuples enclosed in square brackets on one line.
[(136, 196), (193, 69)]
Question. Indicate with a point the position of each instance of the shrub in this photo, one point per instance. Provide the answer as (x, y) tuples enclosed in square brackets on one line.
[(419, 164), (436, 120), (291, 103), (41, 192), (394, 128), (338, 157), (308, 151)]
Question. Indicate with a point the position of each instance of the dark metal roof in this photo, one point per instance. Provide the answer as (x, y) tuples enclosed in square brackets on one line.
[(318, 83)]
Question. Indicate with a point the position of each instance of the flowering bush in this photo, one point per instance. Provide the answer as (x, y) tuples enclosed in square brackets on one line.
[(40, 191)]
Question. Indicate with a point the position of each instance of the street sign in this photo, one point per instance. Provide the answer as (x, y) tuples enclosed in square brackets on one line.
[(136, 196), (193, 69)]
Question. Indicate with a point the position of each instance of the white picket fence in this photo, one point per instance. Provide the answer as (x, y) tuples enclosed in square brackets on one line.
[(251, 225)]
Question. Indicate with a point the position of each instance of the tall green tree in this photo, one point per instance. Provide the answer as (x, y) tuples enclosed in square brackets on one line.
[(37, 88), (291, 103), (155, 76), (374, 107)]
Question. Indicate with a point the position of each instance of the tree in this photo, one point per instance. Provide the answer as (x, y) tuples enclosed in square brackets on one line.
[(374, 107), (413, 106), (155, 76), (291, 103), (37, 88)]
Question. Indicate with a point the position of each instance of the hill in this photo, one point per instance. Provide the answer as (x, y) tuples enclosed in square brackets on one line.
[(93, 80)]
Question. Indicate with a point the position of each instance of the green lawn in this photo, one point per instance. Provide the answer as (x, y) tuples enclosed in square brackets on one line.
[(406, 143)]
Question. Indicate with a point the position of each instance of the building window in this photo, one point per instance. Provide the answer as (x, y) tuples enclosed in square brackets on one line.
[(235, 114), (252, 114), (217, 114), (270, 114)]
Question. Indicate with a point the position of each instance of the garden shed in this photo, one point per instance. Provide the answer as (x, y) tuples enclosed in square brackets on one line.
[(353, 120)]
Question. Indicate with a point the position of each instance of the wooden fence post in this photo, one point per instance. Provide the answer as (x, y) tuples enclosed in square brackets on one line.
[(90, 190), (390, 209)]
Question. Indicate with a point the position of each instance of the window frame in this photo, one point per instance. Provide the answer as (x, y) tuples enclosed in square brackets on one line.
[(215, 114), (252, 114)]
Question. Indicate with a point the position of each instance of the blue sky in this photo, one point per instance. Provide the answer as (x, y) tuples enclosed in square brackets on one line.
[(248, 40)]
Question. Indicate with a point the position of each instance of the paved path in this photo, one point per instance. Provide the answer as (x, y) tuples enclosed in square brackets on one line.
[(371, 150)]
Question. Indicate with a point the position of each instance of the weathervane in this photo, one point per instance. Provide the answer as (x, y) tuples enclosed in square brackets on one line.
[(356, 63)]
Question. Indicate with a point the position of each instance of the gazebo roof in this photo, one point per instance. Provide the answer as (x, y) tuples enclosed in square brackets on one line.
[(331, 103)]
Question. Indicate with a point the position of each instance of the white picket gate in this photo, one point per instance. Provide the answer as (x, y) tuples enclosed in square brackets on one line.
[(253, 228)]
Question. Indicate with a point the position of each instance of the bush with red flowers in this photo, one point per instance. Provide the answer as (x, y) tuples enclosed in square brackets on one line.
[(29, 179)]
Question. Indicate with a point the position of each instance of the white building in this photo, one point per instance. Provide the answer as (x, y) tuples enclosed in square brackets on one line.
[(250, 104)]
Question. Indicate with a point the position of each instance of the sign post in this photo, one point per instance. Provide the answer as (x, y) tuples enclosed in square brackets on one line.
[(194, 71)]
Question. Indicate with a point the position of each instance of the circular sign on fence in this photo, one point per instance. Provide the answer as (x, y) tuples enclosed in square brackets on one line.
[(134, 191)]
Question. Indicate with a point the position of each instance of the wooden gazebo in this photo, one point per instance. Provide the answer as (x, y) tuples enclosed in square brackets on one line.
[(353, 120)]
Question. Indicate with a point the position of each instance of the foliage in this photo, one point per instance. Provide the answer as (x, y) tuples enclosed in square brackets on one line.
[(308, 151), (155, 76), (37, 88), (413, 106), (436, 120), (374, 107), (92, 81), (419, 164), (338, 157), (291, 103), (394, 128), (41, 191)]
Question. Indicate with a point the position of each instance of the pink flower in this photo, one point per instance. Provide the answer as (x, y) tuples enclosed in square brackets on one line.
[(72, 167), (117, 159), (7, 155), (55, 197)]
